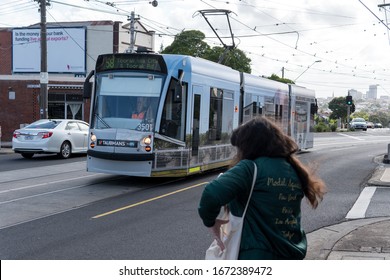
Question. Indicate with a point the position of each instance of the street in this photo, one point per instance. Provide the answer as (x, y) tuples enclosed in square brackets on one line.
[(54, 209)]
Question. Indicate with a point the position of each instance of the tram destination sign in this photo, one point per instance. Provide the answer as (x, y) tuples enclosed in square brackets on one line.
[(149, 62)]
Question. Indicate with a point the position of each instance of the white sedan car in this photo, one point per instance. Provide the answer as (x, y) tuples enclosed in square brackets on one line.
[(48, 136)]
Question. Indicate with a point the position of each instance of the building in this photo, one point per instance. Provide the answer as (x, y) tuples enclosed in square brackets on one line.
[(372, 92), (72, 50), (356, 95)]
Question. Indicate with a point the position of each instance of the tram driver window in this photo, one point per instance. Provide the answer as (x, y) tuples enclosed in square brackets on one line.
[(173, 116)]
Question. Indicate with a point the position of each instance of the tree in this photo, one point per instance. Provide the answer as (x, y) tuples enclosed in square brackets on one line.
[(380, 117), (235, 59), (338, 107), (191, 43), (188, 43), (282, 80), (360, 114)]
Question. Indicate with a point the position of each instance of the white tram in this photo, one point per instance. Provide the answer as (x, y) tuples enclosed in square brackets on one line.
[(172, 115)]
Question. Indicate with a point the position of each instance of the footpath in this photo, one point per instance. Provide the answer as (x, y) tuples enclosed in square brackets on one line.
[(353, 239)]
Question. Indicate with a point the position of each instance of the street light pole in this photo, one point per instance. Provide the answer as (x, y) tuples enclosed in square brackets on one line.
[(307, 69)]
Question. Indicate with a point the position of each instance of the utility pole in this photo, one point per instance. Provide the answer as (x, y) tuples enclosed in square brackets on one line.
[(44, 75), (132, 32), (384, 6)]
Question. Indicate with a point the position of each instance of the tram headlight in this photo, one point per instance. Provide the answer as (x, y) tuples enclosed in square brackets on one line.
[(146, 142), (93, 140)]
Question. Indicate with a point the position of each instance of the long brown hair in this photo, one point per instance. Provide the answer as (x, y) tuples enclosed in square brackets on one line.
[(260, 137)]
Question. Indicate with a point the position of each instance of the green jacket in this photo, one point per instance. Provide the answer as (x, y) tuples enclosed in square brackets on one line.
[(272, 227)]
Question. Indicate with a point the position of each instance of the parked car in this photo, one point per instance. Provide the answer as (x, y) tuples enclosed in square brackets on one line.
[(47, 136), (378, 125), (358, 123), (370, 125)]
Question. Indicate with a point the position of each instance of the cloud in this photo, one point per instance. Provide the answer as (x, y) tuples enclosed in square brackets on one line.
[(351, 43)]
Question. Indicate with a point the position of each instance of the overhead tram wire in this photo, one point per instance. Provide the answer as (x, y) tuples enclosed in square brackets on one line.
[(91, 9), (17, 8), (314, 55), (299, 50), (381, 21)]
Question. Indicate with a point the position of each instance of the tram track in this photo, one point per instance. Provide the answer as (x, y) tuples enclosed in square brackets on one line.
[(33, 194)]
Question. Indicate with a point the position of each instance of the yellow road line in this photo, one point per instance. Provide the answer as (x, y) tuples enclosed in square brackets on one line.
[(146, 201)]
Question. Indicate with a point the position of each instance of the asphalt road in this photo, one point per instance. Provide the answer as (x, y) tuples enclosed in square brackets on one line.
[(53, 209)]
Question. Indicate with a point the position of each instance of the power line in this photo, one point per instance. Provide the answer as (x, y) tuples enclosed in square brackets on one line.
[(381, 21)]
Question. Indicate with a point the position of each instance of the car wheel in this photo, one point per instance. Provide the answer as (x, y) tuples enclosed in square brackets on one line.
[(65, 150), (27, 155)]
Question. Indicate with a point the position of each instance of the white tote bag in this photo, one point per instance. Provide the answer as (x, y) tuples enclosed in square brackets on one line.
[(230, 233)]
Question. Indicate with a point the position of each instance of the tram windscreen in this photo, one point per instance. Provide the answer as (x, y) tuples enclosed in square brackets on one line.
[(126, 101)]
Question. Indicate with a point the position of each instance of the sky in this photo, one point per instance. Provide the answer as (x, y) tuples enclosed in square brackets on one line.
[(330, 46)]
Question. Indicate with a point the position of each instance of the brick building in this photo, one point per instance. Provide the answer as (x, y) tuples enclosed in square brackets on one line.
[(20, 90)]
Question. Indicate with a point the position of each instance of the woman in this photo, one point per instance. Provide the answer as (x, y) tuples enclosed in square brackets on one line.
[(272, 227)]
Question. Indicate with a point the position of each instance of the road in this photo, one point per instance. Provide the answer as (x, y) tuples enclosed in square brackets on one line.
[(53, 209)]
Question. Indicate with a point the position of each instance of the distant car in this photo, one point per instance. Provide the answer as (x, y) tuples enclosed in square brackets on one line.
[(378, 125), (358, 123), (47, 136), (370, 125)]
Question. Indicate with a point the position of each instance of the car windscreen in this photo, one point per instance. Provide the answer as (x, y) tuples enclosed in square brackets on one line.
[(47, 124)]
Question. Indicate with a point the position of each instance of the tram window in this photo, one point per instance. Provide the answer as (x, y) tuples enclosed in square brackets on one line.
[(313, 108), (254, 107), (173, 116), (221, 115)]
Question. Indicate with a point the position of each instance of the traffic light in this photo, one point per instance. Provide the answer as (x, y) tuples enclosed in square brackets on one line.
[(348, 100)]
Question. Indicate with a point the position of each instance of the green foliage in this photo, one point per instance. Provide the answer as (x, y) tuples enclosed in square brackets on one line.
[(191, 43), (321, 127), (282, 80), (338, 107), (235, 59), (380, 117), (188, 43), (360, 114)]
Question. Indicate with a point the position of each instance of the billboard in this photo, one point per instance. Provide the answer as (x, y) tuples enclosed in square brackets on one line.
[(66, 49)]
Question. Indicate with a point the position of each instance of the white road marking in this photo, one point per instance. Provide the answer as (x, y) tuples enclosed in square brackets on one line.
[(350, 136), (47, 183), (359, 209), (45, 193)]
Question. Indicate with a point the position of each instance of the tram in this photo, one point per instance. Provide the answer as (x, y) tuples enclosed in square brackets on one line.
[(158, 115)]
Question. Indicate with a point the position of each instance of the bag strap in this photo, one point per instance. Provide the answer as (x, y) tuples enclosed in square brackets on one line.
[(253, 186)]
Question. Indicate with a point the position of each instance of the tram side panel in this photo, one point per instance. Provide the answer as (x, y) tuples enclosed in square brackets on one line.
[(266, 98), (210, 97), (212, 115), (302, 116)]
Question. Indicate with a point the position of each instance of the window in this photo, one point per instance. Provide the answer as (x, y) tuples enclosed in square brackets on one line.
[(118, 101), (72, 126), (173, 116), (254, 106), (83, 126), (221, 114)]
